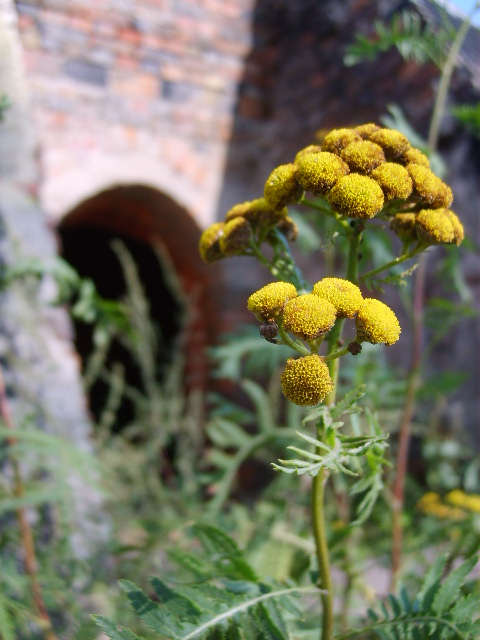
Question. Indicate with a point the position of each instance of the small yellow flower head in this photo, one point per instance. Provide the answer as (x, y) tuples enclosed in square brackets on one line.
[(434, 227), (426, 184), (268, 302), (403, 224), (444, 197), (306, 381), (312, 148), (282, 188), (257, 212), (289, 228), (338, 139), (415, 156), (308, 316), (209, 245), (366, 130), (236, 237), (319, 172), (393, 143), (363, 156), (376, 323), (356, 196), (345, 296), (393, 180), (458, 230)]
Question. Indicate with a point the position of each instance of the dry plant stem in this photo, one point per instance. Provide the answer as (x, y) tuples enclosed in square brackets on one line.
[(30, 559)]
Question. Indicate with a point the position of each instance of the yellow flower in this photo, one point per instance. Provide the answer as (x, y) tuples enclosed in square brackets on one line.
[(257, 212), (345, 296), (319, 172), (415, 156), (362, 156), (444, 197), (403, 224), (282, 187), (312, 148), (376, 323), (306, 381), (366, 130), (236, 237), (458, 231), (308, 316), (338, 139), (426, 185), (434, 227), (209, 245), (288, 227), (356, 196), (393, 180), (268, 302), (393, 142)]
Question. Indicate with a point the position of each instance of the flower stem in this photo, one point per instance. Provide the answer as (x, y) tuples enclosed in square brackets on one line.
[(383, 267)]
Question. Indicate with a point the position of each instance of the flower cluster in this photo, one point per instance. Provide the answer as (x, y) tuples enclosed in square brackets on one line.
[(363, 172), (457, 504), (303, 321)]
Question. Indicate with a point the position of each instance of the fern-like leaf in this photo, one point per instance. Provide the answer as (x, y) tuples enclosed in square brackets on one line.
[(113, 630)]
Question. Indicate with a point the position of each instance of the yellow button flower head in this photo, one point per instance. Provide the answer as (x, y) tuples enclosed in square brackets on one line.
[(282, 187), (376, 323), (338, 139), (257, 212), (426, 185), (312, 148), (444, 197), (236, 237), (393, 143), (306, 381), (209, 245), (308, 316), (356, 196), (366, 130), (345, 296), (268, 302), (403, 224), (363, 156), (434, 227), (458, 231), (319, 172), (415, 156), (393, 180), (289, 228)]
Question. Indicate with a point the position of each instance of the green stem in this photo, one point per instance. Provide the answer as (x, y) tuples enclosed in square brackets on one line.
[(388, 265), (325, 209), (293, 344)]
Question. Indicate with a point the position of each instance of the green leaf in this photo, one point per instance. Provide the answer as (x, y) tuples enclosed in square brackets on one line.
[(450, 589), (432, 582), (7, 631), (113, 630), (466, 609), (262, 404), (226, 433)]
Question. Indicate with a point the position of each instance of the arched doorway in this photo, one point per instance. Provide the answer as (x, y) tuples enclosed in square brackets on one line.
[(139, 245)]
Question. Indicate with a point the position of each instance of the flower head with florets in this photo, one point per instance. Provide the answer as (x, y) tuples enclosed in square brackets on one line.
[(393, 180), (356, 196), (308, 317), (338, 139), (366, 130), (426, 184), (414, 156), (209, 245), (393, 143), (282, 187), (345, 296), (306, 381), (363, 156), (268, 302), (403, 225), (312, 148), (236, 237), (435, 227), (376, 323), (319, 172), (258, 212)]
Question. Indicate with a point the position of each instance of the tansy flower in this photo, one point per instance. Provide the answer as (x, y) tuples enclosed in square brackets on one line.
[(236, 237), (308, 316), (362, 156), (268, 302), (403, 224), (345, 296), (306, 381), (376, 323), (415, 156), (282, 187), (338, 139), (366, 130), (257, 212), (458, 231), (356, 196), (444, 197), (434, 227), (393, 180), (319, 172), (209, 245), (393, 142), (288, 227), (312, 148), (426, 184)]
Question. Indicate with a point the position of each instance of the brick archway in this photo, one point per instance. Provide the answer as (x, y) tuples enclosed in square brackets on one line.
[(150, 224)]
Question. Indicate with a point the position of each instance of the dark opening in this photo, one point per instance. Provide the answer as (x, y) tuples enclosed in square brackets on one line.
[(90, 251)]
